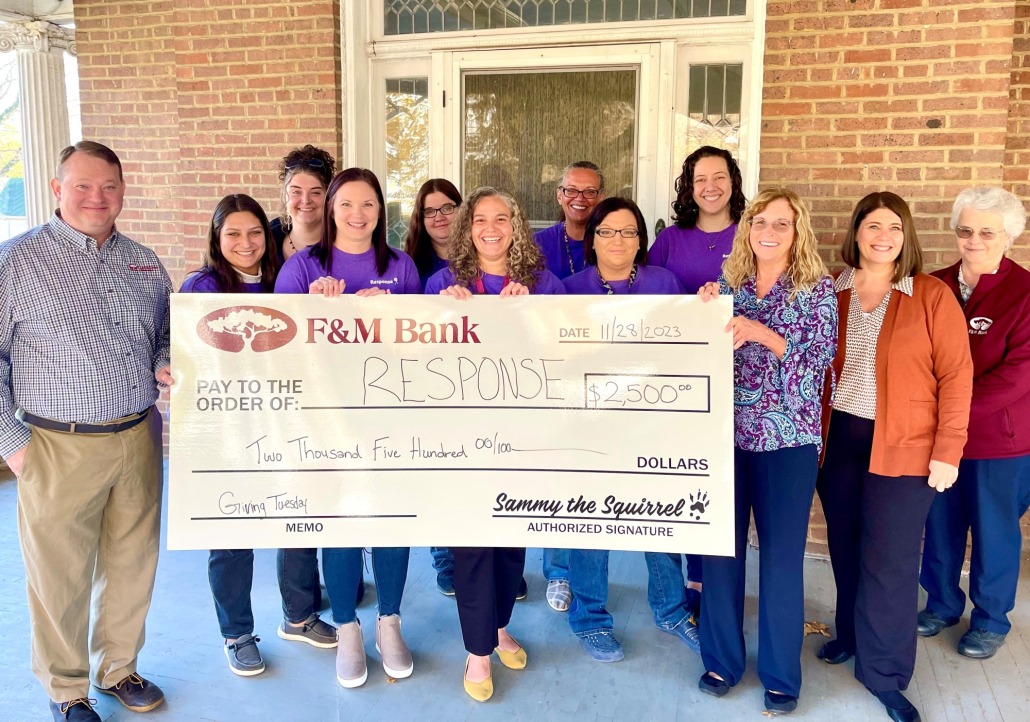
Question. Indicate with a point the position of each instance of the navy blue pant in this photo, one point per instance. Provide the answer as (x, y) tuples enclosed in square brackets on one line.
[(778, 487), (231, 575), (874, 525), (486, 580), (988, 500)]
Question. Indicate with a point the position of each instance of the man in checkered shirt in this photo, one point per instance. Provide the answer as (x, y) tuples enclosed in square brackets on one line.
[(83, 348)]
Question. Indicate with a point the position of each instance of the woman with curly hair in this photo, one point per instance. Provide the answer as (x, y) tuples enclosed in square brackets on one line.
[(305, 174), (709, 203), (784, 329), (492, 252)]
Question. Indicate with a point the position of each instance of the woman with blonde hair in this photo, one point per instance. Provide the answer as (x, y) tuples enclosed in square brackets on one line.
[(491, 252), (784, 329)]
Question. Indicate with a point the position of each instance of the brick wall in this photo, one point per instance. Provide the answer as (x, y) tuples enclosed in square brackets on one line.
[(910, 96), (202, 98), (1017, 146)]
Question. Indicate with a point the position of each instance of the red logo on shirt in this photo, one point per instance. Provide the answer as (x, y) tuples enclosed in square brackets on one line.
[(145, 269), (978, 326), (252, 327)]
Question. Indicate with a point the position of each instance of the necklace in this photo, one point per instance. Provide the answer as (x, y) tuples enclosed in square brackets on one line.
[(568, 248), (714, 237), (289, 239), (608, 287)]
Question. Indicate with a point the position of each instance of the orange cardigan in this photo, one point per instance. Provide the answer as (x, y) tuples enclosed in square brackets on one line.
[(924, 379)]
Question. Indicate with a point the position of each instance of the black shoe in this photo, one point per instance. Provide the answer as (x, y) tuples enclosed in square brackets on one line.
[(833, 652), (136, 693), (523, 590), (980, 644), (780, 703), (78, 710), (898, 707), (930, 624), (710, 684)]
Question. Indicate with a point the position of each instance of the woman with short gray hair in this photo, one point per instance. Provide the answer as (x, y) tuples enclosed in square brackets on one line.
[(993, 489)]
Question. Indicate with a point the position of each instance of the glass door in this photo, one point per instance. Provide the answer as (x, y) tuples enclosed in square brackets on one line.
[(518, 117)]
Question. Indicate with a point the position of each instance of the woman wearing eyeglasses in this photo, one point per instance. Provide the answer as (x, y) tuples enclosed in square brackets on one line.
[(993, 488), (431, 218), (353, 257), (435, 206), (615, 250), (709, 203), (896, 432), (491, 253), (784, 329), (304, 174), (581, 188)]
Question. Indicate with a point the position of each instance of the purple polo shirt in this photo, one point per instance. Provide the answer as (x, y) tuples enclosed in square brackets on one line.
[(356, 270), (205, 282), (546, 283), (694, 256), (652, 280), (552, 243)]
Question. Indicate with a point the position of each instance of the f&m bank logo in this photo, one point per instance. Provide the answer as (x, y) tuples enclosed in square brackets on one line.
[(256, 328)]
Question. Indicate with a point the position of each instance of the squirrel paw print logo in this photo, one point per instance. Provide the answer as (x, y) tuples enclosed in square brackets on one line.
[(698, 505), (246, 327)]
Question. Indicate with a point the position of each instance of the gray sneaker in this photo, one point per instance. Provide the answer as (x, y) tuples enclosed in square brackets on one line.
[(351, 670), (313, 630), (395, 653), (244, 657)]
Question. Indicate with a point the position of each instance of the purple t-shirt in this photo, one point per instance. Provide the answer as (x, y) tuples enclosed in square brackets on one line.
[(546, 283), (552, 243), (652, 280), (206, 282), (694, 256), (356, 270)]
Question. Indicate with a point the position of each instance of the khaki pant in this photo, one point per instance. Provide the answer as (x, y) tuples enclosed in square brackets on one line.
[(89, 517)]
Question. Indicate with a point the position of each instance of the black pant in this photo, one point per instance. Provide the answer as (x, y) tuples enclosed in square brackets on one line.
[(486, 581), (874, 525)]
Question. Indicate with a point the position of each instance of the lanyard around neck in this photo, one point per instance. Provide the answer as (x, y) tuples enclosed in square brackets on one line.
[(607, 286), (480, 288)]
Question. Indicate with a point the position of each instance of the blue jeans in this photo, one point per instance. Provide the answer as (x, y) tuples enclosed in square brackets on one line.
[(342, 569), (556, 564), (297, 572), (443, 560), (665, 592), (588, 579), (231, 575)]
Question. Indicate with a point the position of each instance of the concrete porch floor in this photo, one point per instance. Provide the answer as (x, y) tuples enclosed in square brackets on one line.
[(656, 681)]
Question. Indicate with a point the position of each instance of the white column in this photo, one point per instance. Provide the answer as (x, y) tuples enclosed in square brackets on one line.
[(44, 106)]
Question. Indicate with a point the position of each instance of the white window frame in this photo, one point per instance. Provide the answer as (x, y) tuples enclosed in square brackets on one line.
[(368, 57)]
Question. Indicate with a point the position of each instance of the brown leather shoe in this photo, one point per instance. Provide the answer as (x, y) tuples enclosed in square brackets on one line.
[(136, 693)]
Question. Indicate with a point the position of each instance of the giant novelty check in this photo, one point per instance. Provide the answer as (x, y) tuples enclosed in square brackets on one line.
[(577, 421)]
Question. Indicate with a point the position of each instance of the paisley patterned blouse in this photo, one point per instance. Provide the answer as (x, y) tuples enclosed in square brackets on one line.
[(778, 403)]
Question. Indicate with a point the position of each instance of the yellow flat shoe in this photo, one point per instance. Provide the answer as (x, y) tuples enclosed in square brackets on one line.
[(512, 660), (479, 691)]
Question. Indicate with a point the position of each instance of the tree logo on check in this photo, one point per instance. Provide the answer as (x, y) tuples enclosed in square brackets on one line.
[(255, 328)]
